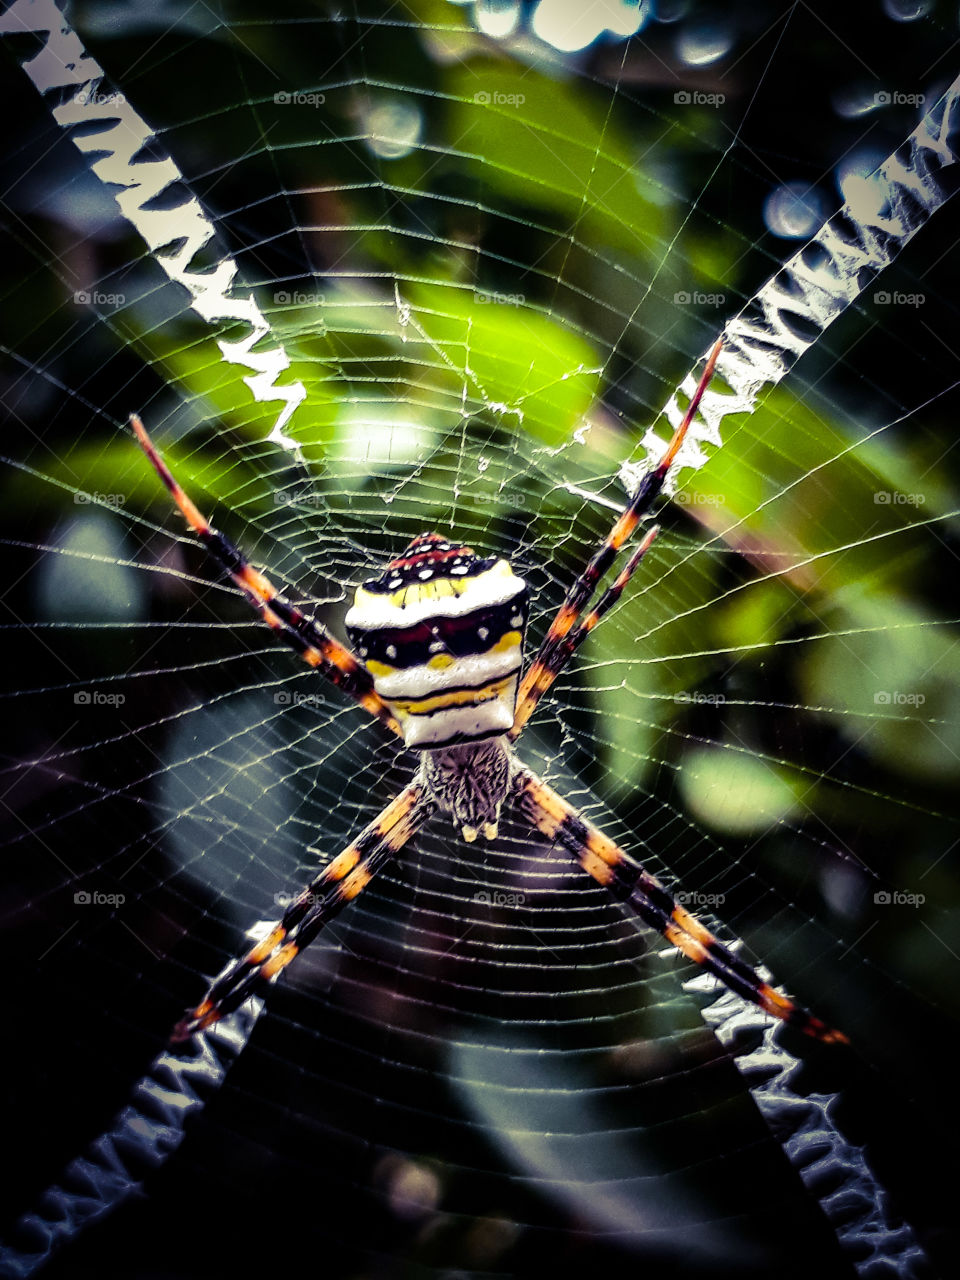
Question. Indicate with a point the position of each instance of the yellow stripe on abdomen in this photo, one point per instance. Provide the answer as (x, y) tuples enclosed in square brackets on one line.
[(458, 698)]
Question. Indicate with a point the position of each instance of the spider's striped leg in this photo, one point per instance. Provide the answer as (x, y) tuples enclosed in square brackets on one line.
[(309, 638), (565, 635), (646, 896), (545, 669), (325, 897)]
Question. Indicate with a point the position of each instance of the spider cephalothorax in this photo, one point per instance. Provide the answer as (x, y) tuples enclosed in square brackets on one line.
[(470, 782), (441, 633)]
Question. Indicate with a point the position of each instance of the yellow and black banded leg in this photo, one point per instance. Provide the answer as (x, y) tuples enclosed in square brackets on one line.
[(610, 866), (309, 638), (565, 635), (323, 899)]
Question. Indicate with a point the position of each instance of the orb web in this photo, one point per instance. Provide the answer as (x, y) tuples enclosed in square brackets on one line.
[(488, 262)]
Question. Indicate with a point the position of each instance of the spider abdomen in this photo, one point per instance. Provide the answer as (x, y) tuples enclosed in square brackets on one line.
[(441, 632)]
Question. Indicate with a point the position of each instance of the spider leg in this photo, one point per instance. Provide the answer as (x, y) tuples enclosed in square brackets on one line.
[(309, 638), (325, 897), (564, 635), (603, 859)]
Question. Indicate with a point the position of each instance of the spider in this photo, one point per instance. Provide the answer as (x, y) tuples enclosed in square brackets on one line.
[(439, 644)]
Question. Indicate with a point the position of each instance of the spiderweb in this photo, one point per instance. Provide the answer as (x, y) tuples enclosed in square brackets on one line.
[(488, 260)]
